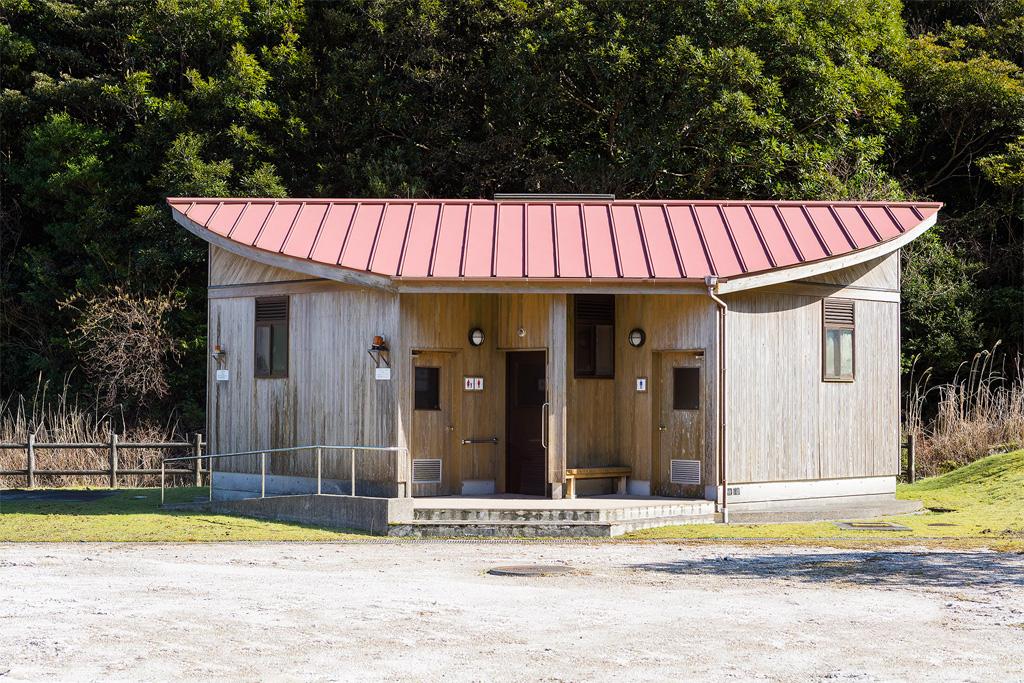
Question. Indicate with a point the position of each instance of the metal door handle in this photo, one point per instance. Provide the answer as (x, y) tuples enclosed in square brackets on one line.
[(450, 428), (661, 428), (544, 424)]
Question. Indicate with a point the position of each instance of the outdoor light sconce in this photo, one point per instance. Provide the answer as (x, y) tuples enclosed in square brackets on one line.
[(637, 337), (218, 353), (476, 336), (379, 352)]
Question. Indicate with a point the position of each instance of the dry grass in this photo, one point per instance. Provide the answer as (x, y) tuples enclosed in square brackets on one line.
[(979, 413), (62, 419)]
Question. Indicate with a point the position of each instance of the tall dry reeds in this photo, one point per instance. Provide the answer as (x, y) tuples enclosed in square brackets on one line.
[(61, 418), (979, 412)]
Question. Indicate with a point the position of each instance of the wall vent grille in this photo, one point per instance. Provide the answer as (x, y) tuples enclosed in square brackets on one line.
[(839, 312), (426, 471), (685, 472), (270, 309)]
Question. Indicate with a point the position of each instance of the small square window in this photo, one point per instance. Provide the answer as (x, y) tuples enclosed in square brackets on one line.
[(428, 389), (685, 388)]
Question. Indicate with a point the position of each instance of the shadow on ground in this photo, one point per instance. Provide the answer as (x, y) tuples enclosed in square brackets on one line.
[(870, 568), (53, 495)]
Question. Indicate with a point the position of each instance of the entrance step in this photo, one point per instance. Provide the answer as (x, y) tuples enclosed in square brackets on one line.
[(484, 528), (607, 515)]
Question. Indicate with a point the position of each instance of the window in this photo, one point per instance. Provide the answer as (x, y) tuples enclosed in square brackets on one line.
[(428, 389), (594, 338), (271, 337), (685, 388), (837, 340)]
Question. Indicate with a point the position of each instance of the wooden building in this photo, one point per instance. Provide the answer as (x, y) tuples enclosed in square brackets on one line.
[(737, 350)]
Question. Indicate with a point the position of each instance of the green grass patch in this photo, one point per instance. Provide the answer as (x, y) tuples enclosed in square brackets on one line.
[(981, 504), (133, 515)]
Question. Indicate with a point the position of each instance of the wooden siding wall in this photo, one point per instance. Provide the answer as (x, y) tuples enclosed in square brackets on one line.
[(784, 422), (228, 269), (672, 323), (330, 394)]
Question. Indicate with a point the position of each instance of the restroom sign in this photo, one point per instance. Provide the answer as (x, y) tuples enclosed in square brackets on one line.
[(473, 383)]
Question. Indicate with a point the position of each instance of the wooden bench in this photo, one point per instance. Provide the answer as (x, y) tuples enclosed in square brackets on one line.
[(619, 473)]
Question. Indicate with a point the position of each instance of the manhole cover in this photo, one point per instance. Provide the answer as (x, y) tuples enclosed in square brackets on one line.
[(872, 526), (531, 570)]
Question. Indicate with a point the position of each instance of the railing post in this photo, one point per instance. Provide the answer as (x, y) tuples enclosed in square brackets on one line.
[(408, 473), (318, 470), (30, 455), (911, 457), (113, 459), (353, 471), (263, 475), (197, 450), (161, 480)]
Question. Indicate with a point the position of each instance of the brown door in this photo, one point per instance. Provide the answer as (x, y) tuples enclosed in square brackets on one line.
[(433, 425), (679, 466), (525, 394)]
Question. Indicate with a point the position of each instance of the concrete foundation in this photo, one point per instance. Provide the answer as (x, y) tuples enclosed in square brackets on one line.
[(363, 513)]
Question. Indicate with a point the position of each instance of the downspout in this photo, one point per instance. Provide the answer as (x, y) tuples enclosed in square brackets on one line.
[(711, 282)]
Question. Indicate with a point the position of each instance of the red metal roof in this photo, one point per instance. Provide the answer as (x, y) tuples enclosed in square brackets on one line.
[(509, 240)]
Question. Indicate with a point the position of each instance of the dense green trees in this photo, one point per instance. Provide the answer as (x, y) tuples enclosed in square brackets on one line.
[(107, 107)]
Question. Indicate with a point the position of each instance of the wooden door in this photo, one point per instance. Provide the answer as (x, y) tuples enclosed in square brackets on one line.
[(679, 467), (525, 396), (433, 424)]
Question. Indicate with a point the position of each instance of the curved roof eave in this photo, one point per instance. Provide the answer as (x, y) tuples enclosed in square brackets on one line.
[(549, 256)]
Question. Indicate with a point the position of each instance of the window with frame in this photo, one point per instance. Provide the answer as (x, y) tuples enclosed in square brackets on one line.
[(838, 316), (271, 337), (594, 335), (427, 390)]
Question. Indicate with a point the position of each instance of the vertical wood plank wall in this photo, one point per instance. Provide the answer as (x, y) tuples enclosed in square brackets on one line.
[(330, 394), (784, 422)]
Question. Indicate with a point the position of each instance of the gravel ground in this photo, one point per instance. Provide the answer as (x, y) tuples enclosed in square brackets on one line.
[(429, 611)]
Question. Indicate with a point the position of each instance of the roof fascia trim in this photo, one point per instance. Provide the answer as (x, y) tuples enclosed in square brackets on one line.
[(337, 273), (774, 277)]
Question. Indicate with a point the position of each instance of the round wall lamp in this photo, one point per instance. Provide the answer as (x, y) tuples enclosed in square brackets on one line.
[(637, 337), (476, 336)]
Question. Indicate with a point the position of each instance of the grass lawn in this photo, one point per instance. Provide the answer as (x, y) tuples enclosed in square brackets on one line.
[(981, 504), (127, 516)]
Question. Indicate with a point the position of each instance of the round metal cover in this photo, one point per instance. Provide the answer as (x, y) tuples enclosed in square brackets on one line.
[(530, 570)]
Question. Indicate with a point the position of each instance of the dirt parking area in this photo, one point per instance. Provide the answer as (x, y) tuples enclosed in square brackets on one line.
[(430, 611)]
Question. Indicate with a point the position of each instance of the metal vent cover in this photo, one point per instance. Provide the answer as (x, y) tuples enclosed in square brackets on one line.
[(271, 309), (838, 312), (426, 471), (685, 472)]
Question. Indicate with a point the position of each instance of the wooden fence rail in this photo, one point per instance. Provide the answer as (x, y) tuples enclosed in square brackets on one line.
[(112, 446)]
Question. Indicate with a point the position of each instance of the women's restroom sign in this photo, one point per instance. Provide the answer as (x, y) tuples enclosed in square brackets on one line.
[(473, 383)]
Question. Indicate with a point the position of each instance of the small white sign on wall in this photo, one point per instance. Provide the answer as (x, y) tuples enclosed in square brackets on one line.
[(641, 384), (472, 383), (222, 375), (382, 374)]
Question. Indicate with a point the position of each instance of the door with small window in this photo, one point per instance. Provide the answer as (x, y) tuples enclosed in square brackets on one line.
[(434, 468), (679, 467)]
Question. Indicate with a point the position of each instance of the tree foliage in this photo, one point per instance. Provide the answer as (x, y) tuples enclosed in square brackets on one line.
[(107, 107)]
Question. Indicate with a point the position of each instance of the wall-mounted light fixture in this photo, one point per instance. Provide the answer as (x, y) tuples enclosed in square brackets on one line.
[(476, 336), (637, 337), (379, 352), (521, 332), (218, 353)]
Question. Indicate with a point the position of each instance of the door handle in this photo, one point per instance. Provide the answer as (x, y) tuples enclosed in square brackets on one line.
[(450, 428), (544, 424), (661, 428)]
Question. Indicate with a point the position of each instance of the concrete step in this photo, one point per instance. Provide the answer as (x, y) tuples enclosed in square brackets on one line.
[(608, 515), (538, 529)]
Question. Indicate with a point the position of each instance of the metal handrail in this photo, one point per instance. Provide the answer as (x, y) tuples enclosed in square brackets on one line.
[(263, 453)]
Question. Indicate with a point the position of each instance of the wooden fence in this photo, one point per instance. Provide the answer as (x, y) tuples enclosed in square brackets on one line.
[(111, 471)]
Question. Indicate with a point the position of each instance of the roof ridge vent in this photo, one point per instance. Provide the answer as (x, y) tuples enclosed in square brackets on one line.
[(551, 197)]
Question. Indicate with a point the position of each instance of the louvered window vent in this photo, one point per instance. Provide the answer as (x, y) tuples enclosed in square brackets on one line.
[(426, 471), (271, 309), (839, 312), (685, 472)]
